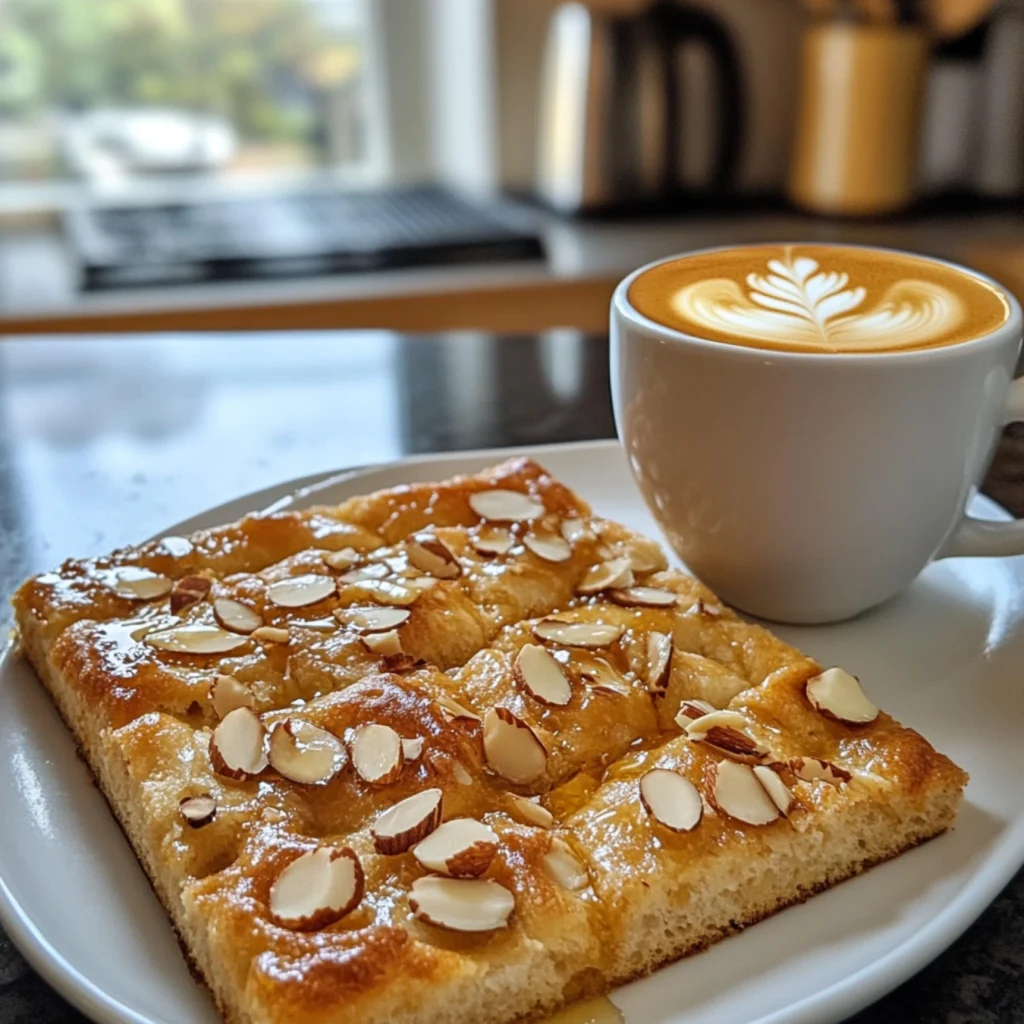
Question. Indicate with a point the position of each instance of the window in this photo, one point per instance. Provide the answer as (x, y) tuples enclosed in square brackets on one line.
[(115, 95)]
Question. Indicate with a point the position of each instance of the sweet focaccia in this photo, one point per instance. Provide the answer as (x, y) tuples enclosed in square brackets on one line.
[(459, 751)]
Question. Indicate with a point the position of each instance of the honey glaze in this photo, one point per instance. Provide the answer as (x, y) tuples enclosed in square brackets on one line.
[(600, 1010)]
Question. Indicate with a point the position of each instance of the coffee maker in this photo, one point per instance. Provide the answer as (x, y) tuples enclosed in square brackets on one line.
[(612, 103)]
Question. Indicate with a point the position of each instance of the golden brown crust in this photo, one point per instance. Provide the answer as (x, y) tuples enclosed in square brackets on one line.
[(603, 895)]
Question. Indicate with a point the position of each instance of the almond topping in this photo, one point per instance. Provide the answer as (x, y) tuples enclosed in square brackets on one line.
[(693, 709), (462, 847), (299, 591), (454, 711), (491, 539), (406, 823), (372, 619), (189, 591), (376, 753), (512, 748), (703, 607), (237, 746), (642, 597), (659, 661), (431, 555), (614, 573), (565, 867), (227, 693), (812, 769), (374, 571), (412, 748), (574, 530), (461, 904), (195, 639), (384, 644), (736, 792), (729, 731), (270, 635), (645, 557), (300, 751), (198, 810), (837, 695), (502, 506), (531, 812), (138, 584), (419, 584), (577, 634), (548, 546), (774, 787), (462, 777), (317, 889), (235, 616), (543, 678), (671, 799), (343, 559)]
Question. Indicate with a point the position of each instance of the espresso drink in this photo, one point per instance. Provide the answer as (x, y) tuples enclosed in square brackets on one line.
[(819, 298)]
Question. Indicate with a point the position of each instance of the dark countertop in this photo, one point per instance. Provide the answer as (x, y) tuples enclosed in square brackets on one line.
[(105, 441)]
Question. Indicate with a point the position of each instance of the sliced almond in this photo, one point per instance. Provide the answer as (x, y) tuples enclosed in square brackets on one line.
[(645, 558), (227, 693), (454, 711), (419, 584), (383, 644), (708, 608), (491, 539), (372, 619), (577, 634), (775, 788), (431, 555), (376, 753), (270, 635), (461, 848), (412, 747), (343, 559), (373, 571), (138, 584), (503, 506), (317, 889), (238, 745), (565, 867), (671, 799), (598, 673), (321, 625), (549, 546), (198, 810), (531, 812), (543, 678), (176, 547), (812, 769), (195, 638), (189, 591), (728, 731), (461, 775), (235, 616), (659, 661), (394, 592), (574, 530), (512, 748), (642, 597), (304, 753), (838, 695), (736, 792), (612, 689), (299, 591), (461, 904), (616, 573), (689, 710), (406, 823)]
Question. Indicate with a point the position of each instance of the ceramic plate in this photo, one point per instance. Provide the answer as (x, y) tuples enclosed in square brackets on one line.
[(944, 658)]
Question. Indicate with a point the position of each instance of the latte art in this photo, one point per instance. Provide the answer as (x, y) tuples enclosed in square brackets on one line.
[(819, 299)]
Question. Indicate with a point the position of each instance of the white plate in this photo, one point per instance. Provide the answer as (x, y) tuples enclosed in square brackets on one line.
[(944, 657)]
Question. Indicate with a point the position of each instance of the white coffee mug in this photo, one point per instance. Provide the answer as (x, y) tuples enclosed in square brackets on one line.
[(807, 487)]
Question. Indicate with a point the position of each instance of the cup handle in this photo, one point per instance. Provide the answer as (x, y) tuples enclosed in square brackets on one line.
[(981, 536)]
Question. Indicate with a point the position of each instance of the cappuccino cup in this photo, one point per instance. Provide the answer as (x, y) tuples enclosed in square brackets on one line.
[(807, 423)]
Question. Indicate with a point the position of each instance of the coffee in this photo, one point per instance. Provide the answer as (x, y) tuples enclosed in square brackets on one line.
[(819, 298)]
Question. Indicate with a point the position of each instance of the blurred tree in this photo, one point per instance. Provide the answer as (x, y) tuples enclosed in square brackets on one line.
[(255, 62)]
